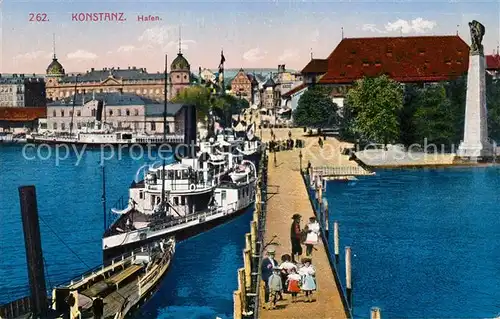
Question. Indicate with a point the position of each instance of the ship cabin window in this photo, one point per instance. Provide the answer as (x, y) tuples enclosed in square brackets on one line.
[(170, 175), (178, 175), (223, 195), (183, 200), (176, 201), (141, 195), (239, 193)]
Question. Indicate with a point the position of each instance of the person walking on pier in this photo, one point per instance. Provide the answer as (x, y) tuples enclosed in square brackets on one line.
[(308, 274), (286, 267), (267, 267), (312, 238), (275, 287), (293, 283), (295, 237)]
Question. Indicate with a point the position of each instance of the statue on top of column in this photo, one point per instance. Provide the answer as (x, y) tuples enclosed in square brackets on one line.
[(477, 31)]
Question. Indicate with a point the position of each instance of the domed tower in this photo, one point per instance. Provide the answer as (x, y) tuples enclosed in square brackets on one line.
[(180, 73), (54, 72)]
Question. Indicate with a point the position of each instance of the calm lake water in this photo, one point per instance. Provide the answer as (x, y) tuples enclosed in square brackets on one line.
[(425, 243), (203, 274)]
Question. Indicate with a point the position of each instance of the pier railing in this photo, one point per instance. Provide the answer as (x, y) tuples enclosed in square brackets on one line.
[(16, 308), (247, 297), (331, 171)]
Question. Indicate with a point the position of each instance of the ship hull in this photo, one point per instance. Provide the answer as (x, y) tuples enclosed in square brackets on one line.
[(180, 234)]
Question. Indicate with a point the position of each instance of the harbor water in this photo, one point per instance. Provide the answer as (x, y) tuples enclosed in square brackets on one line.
[(425, 243), (202, 276)]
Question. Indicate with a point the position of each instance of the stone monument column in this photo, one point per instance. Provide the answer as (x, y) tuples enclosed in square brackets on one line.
[(476, 143)]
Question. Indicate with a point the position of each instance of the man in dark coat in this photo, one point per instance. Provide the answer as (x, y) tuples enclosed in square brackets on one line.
[(295, 237), (268, 264)]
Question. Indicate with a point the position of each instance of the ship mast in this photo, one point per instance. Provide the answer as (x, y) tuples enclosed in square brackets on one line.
[(164, 206), (73, 108)]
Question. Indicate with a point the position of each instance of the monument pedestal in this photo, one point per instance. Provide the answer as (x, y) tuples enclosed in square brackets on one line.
[(476, 143)]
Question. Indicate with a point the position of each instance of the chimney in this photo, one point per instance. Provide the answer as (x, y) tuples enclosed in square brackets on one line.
[(92, 69), (129, 67), (134, 68), (118, 68)]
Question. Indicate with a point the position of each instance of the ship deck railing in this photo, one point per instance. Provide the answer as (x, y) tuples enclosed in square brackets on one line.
[(160, 139), (201, 215)]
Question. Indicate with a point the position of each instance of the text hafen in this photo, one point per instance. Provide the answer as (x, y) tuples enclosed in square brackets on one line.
[(148, 18)]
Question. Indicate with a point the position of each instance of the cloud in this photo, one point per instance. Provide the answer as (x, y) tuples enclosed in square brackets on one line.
[(315, 36), (82, 55), (254, 54), (157, 35), (185, 44), (371, 27), (289, 55), (417, 25), (126, 48), (33, 55)]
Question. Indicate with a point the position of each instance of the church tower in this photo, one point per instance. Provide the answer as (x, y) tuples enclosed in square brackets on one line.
[(180, 73), (54, 73)]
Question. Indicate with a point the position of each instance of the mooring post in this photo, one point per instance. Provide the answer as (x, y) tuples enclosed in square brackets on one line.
[(348, 282), (325, 217), (336, 240), (375, 313), (33, 245)]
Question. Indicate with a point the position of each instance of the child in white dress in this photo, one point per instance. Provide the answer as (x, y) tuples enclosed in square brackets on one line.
[(308, 273)]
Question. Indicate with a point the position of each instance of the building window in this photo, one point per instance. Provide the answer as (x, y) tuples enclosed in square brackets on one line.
[(110, 112), (78, 113), (185, 77), (157, 91), (127, 112), (93, 112), (62, 113), (178, 77), (63, 126), (145, 91), (119, 112), (150, 91), (153, 126), (79, 125), (136, 112), (54, 126), (54, 113)]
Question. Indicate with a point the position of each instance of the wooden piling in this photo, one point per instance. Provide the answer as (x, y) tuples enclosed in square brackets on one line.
[(375, 313), (237, 305), (336, 240), (253, 233), (248, 241), (348, 282), (242, 289), (325, 217), (247, 262)]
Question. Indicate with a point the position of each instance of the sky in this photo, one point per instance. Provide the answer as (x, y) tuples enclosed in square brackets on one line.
[(253, 34)]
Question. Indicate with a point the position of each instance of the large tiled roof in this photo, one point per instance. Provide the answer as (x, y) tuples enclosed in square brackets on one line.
[(493, 62), (404, 59), (156, 110), (111, 99), (124, 74), (22, 114), (316, 66)]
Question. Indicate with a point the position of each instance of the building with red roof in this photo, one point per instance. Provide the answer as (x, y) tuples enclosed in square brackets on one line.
[(493, 65), (13, 118)]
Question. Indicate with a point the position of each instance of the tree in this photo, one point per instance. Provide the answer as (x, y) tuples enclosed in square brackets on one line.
[(376, 104), (493, 106), (434, 118), (199, 96), (316, 109)]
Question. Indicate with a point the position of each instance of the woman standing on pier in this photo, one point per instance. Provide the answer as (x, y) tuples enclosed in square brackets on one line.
[(308, 274), (312, 237), (295, 237)]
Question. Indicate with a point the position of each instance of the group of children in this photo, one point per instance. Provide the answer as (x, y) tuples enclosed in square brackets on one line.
[(292, 278)]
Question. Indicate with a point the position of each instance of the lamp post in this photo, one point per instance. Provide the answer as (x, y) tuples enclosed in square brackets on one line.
[(274, 151), (300, 160)]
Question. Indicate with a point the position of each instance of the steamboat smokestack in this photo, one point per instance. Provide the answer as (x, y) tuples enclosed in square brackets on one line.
[(190, 130), (98, 114)]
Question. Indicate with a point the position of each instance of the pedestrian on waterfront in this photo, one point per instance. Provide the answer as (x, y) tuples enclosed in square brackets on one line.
[(286, 266), (293, 283), (320, 142), (275, 287), (295, 237), (308, 274), (313, 231), (290, 134), (268, 264)]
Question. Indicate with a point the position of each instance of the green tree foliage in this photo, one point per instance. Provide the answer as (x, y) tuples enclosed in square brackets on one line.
[(376, 104), (316, 109), (493, 105), (434, 118), (199, 96)]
